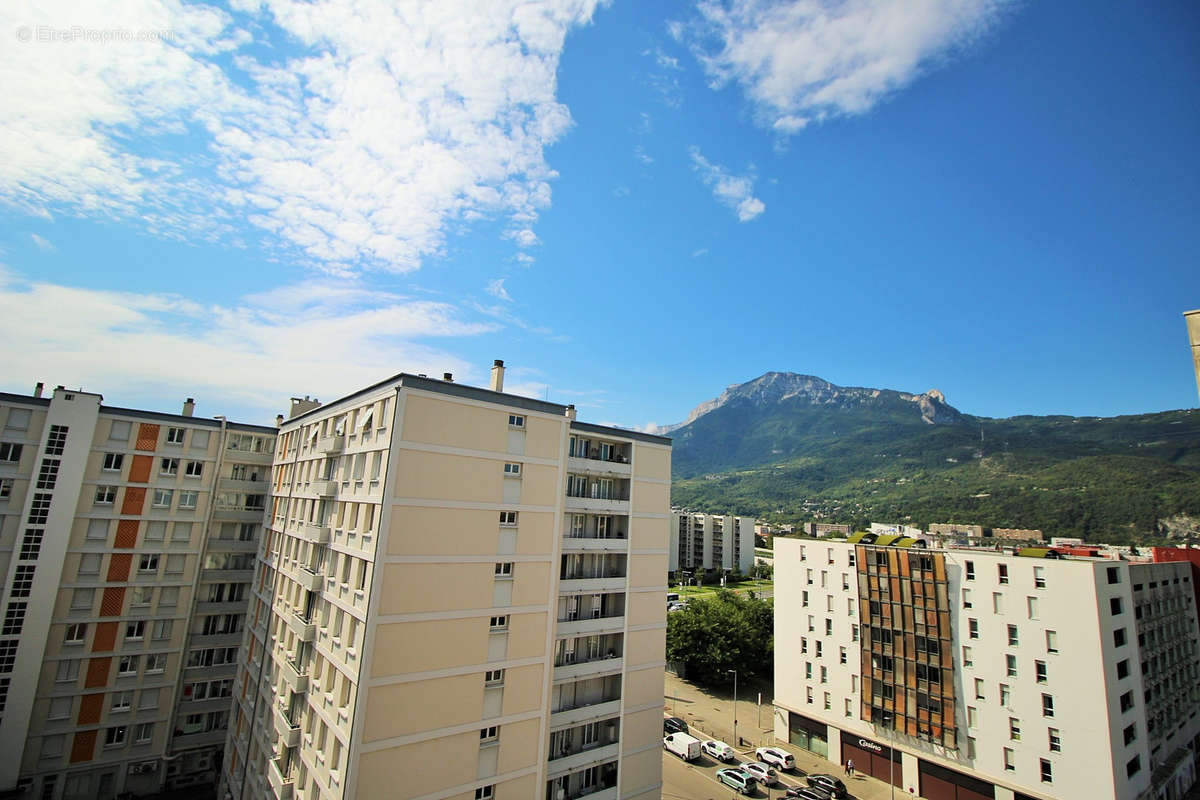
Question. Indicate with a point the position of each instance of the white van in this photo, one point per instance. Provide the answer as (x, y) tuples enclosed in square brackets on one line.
[(683, 745)]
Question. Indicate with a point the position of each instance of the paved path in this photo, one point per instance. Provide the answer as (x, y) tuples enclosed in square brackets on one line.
[(710, 716)]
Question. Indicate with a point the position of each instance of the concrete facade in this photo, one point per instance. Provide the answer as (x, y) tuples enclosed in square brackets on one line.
[(117, 526), (459, 596), (977, 674), (1193, 328), (710, 541)]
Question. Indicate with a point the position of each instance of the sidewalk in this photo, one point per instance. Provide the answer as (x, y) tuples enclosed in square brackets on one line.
[(710, 715)]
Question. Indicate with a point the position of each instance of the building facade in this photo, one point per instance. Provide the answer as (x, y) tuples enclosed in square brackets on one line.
[(127, 550), (459, 596), (711, 542), (969, 674), (1193, 328)]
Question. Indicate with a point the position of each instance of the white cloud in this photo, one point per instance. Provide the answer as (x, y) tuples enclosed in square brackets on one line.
[(642, 156), (734, 191), (799, 60), (620, 191), (703, 251), (43, 243), (353, 132), (496, 289), (316, 337)]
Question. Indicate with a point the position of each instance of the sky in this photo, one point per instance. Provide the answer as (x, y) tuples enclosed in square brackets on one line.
[(634, 204)]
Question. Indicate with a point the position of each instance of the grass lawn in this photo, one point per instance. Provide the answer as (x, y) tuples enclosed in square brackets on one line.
[(708, 591)]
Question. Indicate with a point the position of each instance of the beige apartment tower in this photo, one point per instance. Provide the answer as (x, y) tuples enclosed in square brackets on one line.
[(459, 596), (1193, 326), (127, 542)]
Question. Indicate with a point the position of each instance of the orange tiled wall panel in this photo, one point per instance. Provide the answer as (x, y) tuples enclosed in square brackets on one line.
[(139, 471), (105, 639), (83, 746), (90, 706), (127, 530), (147, 437), (113, 600), (135, 498), (97, 673), (118, 570)]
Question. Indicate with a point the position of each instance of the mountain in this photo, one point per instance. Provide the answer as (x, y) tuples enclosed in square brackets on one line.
[(804, 447)]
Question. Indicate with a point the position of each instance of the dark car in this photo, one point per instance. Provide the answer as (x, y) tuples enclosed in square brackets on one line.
[(807, 793), (829, 783), (674, 725)]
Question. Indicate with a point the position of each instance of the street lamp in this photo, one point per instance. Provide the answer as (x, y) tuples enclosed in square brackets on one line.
[(734, 671)]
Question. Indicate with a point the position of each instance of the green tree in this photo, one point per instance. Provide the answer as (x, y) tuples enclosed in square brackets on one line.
[(727, 632)]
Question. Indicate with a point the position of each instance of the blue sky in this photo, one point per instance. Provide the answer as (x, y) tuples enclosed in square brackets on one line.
[(635, 204)]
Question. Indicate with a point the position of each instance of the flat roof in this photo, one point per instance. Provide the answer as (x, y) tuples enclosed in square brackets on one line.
[(9, 397)]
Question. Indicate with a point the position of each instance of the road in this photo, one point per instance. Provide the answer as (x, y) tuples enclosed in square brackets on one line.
[(697, 780)]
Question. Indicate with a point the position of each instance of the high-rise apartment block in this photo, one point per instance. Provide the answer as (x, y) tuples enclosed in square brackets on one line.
[(970, 674), (711, 542), (460, 596), (1193, 327), (127, 540)]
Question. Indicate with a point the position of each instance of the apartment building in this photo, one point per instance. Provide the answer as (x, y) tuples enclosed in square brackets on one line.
[(1192, 319), (711, 542), (975, 674), (459, 596), (127, 539)]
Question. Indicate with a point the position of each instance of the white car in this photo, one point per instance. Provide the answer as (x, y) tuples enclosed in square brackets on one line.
[(718, 750), (760, 772), (780, 759)]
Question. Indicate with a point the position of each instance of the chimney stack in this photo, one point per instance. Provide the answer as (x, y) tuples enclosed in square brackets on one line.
[(498, 375), (571, 412), (189, 406), (448, 377), (279, 420), (37, 390)]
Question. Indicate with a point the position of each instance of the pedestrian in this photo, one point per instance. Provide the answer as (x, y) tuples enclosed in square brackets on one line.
[(850, 767)]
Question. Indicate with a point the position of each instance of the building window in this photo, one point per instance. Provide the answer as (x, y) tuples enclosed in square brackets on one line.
[(162, 498), (1126, 701), (112, 462), (1114, 606), (1014, 729), (968, 660), (493, 677), (1130, 733), (973, 628), (1133, 766), (68, 671), (516, 421), (1055, 740), (1005, 695), (135, 632), (187, 500), (195, 469), (128, 665), (841, 655), (1031, 606), (121, 701), (23, 580), (119, 431), (1123, 669), (499, 623), (1002, 570), (1039, 670), (14, 619), (1039, 577), (56, 440), (489, 734), (105, 495), (1013, 638), (9, 452), (504, 569), (997, 602), (1047, 705), (508, 518), (115, 736), (1010, 665), (148, 563), (162, 629), (972, 717), (966, 599), (489, 791), (1047, 777), (1119, 637), (18, 419), (979, 689), (1009, 765), (82, 598), (1051, 642), (1114, 575), (511, 469), (155, 664), (76, 633), (175, 435), (144, 733), (169, 466)]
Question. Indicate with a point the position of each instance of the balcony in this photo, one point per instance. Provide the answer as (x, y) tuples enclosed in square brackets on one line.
[(315, 532), (310, 579), (243, 485), (227, 575), (580, 544), (292, 675), (584, 585), (288, 733), (584, 626), (599, 466), (569, 717), (617, 503), (326, 487), (232, 546), (582, 759), (331, 444), (595, 668), (281, 785), (216, 639), (304, 628), (236, 514)]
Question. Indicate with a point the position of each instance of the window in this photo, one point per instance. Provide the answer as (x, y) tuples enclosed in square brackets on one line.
[(970, 570), (105, 495), (156, 663), (14, 619), (82, 598), (128, 665), (112, 462), (1031, 606), (76, 633), (515, 421), (115, 736), (175, 435), (499, 623), (973, 628), (1047, 777), (997, 602), (162, 498), (89, 564), (1008, 760), (841, 655), (56, 440), (824, 675), (60, 708), (1114, 575), (493, 677), (200, 440), (169, 466), (1047, 705), (18, 419), (148, 563), (1055, 740), (508, 518), (1126, 701), (1014, 729), (194, 469), (972, 717), (68, 671), (967, 657), (1119, 638), (1114, 606), (135, 631), (1013, 638), (1130, 733), (10, 452), (979, 689), (143, 733), (156, 531), (187, 500), (829, 627), (1010, 665), (1005, 695), (512, 469), (966, 598), (504, 569), (1039, 670), (6, 485), (489, 791), (23, 580), (1002, 570), (1051, 642), (1039, 577), (1123, 668), (804, 599), (1133, 767), (489, 734), (140, 596), (162, 629), (120, 430), (121, 701), (168, 596)]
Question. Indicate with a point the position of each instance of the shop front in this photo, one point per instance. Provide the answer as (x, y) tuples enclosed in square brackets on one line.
[(809, 734), (939, 783), (872, 758)]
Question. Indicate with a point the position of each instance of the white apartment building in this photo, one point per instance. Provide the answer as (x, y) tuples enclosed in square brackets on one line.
[(127, 540), (974, 674), (459, 596), (710, 541)]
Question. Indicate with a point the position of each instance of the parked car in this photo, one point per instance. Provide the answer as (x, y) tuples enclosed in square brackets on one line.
[(683, 745), (829, 783), (780, 759), (760, 772), (736, 779), (674, 725), (807, 793), (718, 750)]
